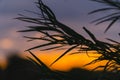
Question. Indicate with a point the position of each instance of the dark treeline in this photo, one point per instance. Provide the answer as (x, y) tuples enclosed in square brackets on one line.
[(24, 69)]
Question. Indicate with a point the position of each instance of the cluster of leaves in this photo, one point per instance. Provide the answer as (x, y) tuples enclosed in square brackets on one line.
[(58, 35), (113, 7)]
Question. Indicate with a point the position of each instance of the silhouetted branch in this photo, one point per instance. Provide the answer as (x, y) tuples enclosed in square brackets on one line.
[(55, 32)]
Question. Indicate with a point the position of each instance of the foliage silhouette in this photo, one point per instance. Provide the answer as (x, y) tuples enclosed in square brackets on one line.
[(113, 6), (25, 69), (81, 74), (60, 35)]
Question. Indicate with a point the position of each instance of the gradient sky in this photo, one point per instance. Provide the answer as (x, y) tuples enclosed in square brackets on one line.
[(73, 13)]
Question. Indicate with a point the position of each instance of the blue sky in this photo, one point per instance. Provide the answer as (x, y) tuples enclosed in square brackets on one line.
[(73, 13)]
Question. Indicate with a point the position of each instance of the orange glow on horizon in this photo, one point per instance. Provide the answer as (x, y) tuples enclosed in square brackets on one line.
[(68, 62)]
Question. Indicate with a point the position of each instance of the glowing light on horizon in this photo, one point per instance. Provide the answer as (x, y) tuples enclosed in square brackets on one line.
[(68, 62)]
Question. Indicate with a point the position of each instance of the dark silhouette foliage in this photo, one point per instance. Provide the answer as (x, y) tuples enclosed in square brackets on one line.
[(58, 35), (113, 7), (25, 69), (81, 74)]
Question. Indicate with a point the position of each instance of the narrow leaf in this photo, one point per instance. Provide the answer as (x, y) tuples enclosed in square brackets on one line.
[(90, 34), (43, 45), (108, 16), (42, 64), (99, 10), (113, 41), (117, 18), (51, 48), (64, 53)]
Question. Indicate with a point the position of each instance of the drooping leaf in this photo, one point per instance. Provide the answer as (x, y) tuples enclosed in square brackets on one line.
[(51, 48), (64, 53), (102, 9), (43, 45), (113, 16), (42, 64), (113, 41), (117, 18), (105, 17)]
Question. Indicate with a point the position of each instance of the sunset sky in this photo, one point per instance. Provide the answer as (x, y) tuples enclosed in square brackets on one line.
[(72, 13)]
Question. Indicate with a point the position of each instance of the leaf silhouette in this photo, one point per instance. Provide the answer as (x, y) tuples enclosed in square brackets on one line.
[(99, 10), (55, 33), (47, 44), (111, 24), (113, 16), (64, 53), (90, 34), (42, 64)]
